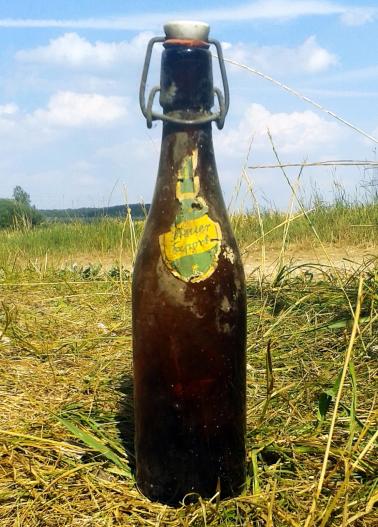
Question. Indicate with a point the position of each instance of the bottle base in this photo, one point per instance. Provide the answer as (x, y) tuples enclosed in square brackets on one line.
[(175, 493)]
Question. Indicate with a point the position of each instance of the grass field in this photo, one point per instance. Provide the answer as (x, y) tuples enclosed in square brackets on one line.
[(66, 427), (338, 225)]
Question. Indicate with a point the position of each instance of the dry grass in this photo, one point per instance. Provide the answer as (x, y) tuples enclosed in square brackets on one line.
[(66, 433)]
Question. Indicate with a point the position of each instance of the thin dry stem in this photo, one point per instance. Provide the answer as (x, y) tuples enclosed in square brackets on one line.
[(348, 355)]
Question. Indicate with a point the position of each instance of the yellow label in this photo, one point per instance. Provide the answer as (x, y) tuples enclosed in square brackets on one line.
[(191, 247), (190, 237)]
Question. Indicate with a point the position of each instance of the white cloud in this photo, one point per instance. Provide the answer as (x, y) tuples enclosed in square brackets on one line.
[(70, 109), (119, 153), (245, 12), (72, 50), (274, 9), (300, 133), (358, 16), (8, 109), (111, 23), (374, 133), (360, 75), (8, 121), (309, 57), (62, 119), (360, 94)]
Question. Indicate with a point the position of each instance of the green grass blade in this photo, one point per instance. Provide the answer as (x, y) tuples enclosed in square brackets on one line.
[(97, 445)]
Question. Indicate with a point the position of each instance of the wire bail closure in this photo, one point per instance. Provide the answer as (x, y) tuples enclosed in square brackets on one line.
[(151, 115)]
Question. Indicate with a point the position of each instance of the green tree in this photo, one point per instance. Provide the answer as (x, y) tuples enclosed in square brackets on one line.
[(21, 196), (18, 213)]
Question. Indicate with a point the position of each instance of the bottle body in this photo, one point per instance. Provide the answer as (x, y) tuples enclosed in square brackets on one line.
[(189, 330)]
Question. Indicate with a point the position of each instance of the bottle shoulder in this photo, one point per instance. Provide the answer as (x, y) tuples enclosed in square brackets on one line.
[(188, 227), (158, 278)]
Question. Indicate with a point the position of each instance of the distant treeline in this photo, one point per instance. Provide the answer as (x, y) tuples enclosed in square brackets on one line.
[(138, 212)]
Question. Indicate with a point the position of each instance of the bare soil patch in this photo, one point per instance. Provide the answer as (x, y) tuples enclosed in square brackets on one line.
[(261, 261)]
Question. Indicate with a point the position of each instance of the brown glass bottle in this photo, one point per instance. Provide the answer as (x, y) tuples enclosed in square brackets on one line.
[(189, 313)]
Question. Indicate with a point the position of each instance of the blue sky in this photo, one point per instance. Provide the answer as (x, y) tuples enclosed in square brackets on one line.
[(71, 132)]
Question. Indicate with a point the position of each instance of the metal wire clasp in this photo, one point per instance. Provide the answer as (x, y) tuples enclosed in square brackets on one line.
[(151, 115)]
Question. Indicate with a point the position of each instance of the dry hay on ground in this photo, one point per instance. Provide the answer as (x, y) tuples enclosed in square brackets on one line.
[(66, 404)]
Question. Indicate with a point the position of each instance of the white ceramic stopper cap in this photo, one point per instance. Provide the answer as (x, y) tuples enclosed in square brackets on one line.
[(187, 29)]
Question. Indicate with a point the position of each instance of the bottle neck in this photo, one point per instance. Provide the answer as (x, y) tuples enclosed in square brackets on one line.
[(187, 182), (180, 141), (187, 172), (186, 82), (187, 167)]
